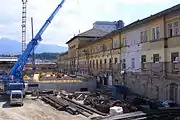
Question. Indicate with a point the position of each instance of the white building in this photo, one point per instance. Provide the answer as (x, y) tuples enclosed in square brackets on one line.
[(108, 26), (131, 54)]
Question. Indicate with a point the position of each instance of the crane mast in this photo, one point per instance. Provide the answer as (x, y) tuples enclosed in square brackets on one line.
[(24, 11)]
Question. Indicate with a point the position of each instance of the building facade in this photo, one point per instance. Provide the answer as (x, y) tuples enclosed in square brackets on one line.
[(143, 56), (77, 42)]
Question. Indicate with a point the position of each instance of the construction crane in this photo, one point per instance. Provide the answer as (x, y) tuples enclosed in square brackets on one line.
[(24, 11), (14, 84)]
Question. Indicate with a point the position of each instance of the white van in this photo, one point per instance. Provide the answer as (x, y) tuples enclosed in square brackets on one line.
[(16, 97)]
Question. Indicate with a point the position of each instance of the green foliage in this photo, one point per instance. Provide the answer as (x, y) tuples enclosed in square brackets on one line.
[(46, 56)]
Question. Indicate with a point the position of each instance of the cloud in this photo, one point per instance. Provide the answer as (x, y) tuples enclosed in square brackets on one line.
[(144, 1), (75, 15)]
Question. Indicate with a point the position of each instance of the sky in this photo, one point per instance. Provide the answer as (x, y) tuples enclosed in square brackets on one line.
[(75, 15)]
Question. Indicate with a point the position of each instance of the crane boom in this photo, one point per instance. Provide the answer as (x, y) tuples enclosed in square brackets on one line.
[(17, 69), (14, 81)]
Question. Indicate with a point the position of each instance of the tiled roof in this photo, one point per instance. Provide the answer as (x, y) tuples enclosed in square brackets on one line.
[(92, 33)]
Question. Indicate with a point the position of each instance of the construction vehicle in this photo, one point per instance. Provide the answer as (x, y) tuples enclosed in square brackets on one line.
[(14, 84), (16, 97)]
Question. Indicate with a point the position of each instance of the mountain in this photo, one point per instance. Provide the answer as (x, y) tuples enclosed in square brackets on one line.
[(8, 46)]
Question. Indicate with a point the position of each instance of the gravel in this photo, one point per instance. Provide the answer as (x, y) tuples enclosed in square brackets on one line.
[(34, 109)]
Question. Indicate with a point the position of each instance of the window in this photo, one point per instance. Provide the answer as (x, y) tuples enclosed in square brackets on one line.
[(97, 64), (17, 96), (144, 36), (173, 29), (115, 60), (174, 59), (93, 63), (124, 41), (133, 62), (124, 64), (155, 33), (176, 28), (174, 56), (173, 91), (115, 43), (155, 58), (170, 30), (101, 64), (110, 62), (131, 42), (105, 61), (143, 58), (90, 63)]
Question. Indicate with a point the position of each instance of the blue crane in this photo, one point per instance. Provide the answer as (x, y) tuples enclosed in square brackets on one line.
[(14, 81)]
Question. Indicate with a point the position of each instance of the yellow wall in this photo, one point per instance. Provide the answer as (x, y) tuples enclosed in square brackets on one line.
[(149, 54), (157, 22), (173, 42), (169, 51), (101, 55), (72, 52), (154, 46)]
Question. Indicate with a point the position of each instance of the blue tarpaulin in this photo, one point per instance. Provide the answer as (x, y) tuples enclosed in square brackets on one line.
[(118, 90), (121, 89)]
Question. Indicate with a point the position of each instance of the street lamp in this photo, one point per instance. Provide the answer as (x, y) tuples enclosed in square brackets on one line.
[(123, 73)]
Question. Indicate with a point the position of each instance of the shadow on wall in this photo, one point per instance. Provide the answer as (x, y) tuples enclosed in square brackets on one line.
[(69, 87)]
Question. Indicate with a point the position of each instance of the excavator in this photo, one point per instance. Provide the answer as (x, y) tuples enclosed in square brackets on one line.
[(14, 84)]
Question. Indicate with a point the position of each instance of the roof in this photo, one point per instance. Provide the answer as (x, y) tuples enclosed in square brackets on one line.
[(16, 91), (8, 59), (105, 23), (92, 33), (64, 53), (138, 22)]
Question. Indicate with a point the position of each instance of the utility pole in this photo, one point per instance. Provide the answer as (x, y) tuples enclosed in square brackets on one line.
[(24, 11), (111, 61), (33, 56)]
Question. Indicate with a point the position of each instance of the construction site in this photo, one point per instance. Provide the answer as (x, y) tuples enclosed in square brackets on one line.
[(79, 87)]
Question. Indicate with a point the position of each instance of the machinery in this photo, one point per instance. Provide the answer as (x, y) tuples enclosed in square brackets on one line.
[(14, 84)]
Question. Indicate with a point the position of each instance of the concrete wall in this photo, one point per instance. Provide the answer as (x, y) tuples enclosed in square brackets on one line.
[(70, 87)]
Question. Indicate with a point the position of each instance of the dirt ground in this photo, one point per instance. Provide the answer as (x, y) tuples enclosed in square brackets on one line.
[(34, 110)]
